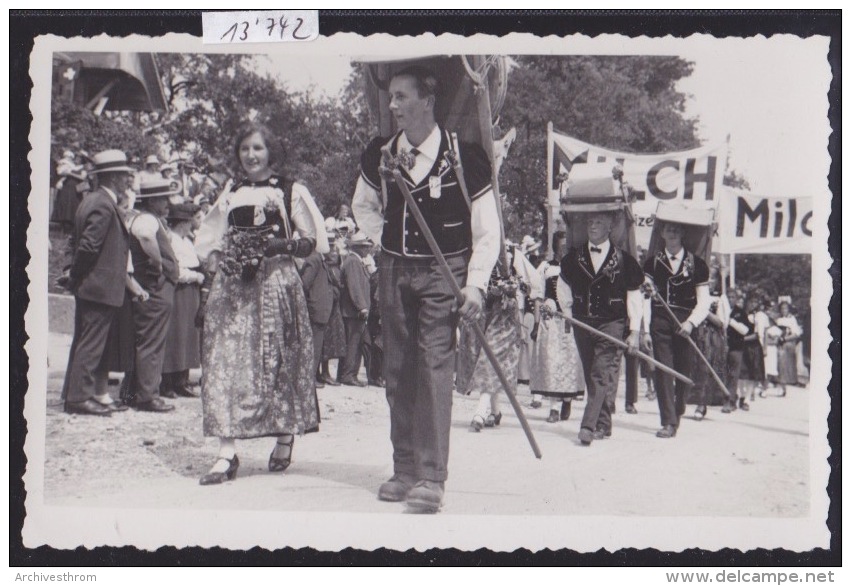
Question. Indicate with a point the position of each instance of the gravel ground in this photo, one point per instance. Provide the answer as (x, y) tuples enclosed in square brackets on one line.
[(753, 464)]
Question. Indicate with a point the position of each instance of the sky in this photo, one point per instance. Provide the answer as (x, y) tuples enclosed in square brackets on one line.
[(764, 93)]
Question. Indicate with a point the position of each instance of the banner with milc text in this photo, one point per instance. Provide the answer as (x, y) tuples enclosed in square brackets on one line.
[(693, 177), (755, 224)]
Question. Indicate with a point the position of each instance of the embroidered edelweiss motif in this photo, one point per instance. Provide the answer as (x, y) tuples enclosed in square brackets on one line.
[(273, 181), (611, 268)]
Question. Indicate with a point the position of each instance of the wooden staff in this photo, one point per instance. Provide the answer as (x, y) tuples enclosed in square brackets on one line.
[(693, 344), (621, 344), (459, 297)]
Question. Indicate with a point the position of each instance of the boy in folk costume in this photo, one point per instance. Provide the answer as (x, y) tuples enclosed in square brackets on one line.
[(679, 278)]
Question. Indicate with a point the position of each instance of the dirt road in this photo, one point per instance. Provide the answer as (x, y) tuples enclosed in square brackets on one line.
[(745, 464)]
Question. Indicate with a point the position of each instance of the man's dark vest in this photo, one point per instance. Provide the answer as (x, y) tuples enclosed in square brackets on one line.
[(679, 290), (446, 212), (144, 270), (600, 295)]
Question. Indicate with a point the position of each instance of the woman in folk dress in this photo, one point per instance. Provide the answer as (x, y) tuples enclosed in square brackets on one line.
[(556, 371), (257, 346)]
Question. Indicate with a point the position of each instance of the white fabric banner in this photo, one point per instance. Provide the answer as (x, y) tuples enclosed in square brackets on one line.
[(755, 224), (693, 177)]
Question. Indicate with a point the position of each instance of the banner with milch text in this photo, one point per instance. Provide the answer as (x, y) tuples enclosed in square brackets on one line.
[(693, 177)]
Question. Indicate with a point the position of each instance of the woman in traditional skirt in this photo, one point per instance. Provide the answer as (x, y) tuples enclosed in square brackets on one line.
[(711, 339), (787, 357), (751, 367), (182, 342), (555, 360), (334, 344), (257, 345)]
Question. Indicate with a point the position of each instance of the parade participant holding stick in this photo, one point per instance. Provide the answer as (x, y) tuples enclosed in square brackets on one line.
[(603, 283), (679, 284), (418, 304), (257, 343)]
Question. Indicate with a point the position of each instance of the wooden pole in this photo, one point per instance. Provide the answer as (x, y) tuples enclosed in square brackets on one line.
[(693, 344), (459, 297), (621, 344), (551, 228), (486, 132)]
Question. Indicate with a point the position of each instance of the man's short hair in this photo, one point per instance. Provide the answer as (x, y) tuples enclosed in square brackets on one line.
[(424, 79)]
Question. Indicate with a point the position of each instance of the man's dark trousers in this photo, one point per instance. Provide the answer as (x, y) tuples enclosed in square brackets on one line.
[(672, 350), (631, 374), (419, 360), (355, 330), (87, 374), (601, 363), (150, 319)]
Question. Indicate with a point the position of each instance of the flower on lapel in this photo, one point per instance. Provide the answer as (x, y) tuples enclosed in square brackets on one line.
[(688, 265), (611, 268), (273, 181)]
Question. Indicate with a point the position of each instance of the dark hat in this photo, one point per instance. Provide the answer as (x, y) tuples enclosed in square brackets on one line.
[(182, 212)]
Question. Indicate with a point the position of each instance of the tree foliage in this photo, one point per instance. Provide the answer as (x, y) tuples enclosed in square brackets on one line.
[(623, 103)]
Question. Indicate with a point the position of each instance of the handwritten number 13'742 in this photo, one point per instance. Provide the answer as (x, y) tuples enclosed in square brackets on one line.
[(241, 29)]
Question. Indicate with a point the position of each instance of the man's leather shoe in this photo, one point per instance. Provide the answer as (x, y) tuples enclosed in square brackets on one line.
[(667, 432), (630, 408), (426, 496), (553, 417), (168, 393), (396, 489), (156, 405), (352, 382), (377, 382), (602, 434), (116, 407), (585, 436), (88, 407), (329, 381), (185, 391)]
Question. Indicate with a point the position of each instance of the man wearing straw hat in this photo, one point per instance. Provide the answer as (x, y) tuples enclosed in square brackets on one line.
[(416, 301), (97, 278), (155, 267), (354, 305)]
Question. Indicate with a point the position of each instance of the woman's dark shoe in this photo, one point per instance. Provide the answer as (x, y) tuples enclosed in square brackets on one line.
[(744, 406), (630, 408), (700, 412), (762, 394), (220, 477), (782, 392), (565, 411), (553, 418), (478, 424), (278, 463), (493, 420)]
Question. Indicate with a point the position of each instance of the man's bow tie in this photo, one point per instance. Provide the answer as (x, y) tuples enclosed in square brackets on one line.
[(595, 249), (673, 258)]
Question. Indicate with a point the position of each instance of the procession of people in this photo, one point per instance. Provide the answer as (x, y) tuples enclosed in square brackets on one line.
[(247, 281)]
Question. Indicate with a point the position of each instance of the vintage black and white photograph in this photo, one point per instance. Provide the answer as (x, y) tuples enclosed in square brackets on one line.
[(437, 291)]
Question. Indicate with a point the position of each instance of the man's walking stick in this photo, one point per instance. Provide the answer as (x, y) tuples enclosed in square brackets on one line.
[(459, 297), (621, 344), (693, 344)]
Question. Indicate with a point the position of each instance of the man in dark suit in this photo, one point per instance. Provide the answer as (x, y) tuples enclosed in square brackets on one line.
[(97, 279), (156, 269), (354, 305), (317, 288), (604, 284)]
